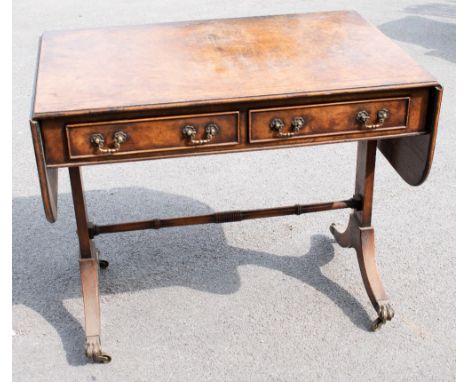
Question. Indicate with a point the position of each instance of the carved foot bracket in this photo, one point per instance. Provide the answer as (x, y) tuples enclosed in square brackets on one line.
[(362, 240)]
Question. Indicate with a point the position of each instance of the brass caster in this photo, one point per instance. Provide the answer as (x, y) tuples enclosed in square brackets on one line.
[(386, 313), (103, 264), (93, 350)]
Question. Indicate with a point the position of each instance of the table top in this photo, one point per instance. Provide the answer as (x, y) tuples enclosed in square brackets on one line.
[(186, 63)]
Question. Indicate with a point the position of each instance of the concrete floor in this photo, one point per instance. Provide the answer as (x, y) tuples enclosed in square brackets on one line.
[(268, 300)]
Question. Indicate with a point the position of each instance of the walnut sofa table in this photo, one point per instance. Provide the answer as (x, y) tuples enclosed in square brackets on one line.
[(220, 86)]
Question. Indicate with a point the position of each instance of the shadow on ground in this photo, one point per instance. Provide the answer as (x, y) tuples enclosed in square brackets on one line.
[(438, 37), (45, 263)]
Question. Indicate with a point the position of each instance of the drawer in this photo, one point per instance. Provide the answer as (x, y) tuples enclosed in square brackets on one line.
[(123, 137), (326, 119)]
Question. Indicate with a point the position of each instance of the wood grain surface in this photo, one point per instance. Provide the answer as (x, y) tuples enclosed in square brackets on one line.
[(153, 134), (136, 67), (330, 118)]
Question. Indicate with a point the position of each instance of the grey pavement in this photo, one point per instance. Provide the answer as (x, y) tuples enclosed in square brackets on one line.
[(263, 300)]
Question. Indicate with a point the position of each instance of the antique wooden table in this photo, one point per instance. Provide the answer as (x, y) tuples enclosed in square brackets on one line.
[(220, 86)]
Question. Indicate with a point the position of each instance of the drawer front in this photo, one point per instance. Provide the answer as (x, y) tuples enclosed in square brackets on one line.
[(339, 118), (124, 137)]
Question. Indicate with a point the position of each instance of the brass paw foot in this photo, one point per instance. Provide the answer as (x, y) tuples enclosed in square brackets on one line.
[(93, 350), (386, 313)]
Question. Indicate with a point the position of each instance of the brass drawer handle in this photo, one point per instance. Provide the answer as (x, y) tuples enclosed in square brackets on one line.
[(363, 117), (190, 131), (277, 124), (98, 141)]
